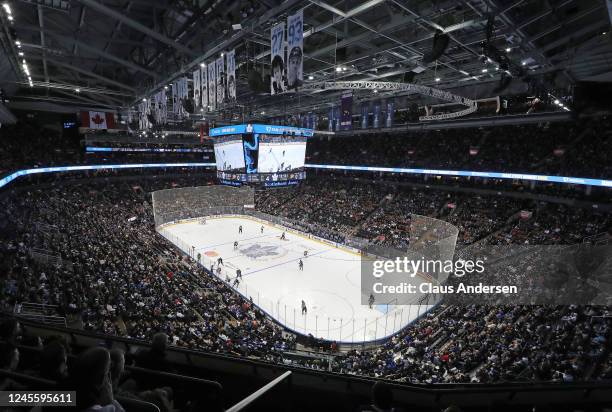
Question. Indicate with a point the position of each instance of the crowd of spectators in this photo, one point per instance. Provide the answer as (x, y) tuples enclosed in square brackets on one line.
[(576, 149), (126, 280)]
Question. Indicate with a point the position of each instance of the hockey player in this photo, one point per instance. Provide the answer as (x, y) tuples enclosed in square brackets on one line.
[(301, 264), (304, 309), (240, 229), (371, 300), (235, 244)]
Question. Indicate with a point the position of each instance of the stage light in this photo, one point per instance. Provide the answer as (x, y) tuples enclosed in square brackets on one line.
[(77, 90), (20, 53), (338, 69), (437, 79), (508, 49), (165, 87), (10, 18), (7, 8), (524, 63), (484, 70), (310, 77), (17, 42), (202, 65), (375, 91), (557, 102), (222, 54), (144, 100)]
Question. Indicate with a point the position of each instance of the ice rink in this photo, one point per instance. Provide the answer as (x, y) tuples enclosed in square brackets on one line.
[(329, 283)]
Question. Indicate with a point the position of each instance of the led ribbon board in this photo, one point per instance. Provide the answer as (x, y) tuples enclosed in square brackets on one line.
[(470, 104)]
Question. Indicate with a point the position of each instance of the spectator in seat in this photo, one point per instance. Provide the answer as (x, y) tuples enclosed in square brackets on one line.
[(54, 362), (92, 380), (155, 358), (9, 330), (382, 399)]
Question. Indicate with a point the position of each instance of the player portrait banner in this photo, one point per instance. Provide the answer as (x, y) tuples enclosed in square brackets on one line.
[(196, 88), (390, 113), (212, 86), (376, 117), (277, 56), (231, 76), (204, 84), (295, 50), (330, 116), (365, 113), (346, 115), (220, 81)]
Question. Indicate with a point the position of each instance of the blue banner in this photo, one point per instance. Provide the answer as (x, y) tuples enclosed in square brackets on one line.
[(376, 119), (346, 116), (337, 118), (390, 113), (365, 113)]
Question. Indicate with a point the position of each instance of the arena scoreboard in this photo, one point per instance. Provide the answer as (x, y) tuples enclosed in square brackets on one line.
[(260, 154)]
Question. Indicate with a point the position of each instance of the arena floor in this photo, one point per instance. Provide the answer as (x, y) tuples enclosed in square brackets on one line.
[(329, 283)]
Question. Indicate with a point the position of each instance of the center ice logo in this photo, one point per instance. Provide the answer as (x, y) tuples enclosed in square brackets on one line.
[(259, 251)]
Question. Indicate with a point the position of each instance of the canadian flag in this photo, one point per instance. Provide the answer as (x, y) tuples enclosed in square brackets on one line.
[(97, 120)]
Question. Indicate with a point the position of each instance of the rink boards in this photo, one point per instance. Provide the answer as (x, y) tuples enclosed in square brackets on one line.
[(329, 283)]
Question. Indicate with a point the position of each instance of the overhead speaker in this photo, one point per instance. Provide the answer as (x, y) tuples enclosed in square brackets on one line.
[(151, 119), (255, 81), (504, 82), (188, 105), (408, 77), (440, 43)]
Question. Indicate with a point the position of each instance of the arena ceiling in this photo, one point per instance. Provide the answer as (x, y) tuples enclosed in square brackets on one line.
[(118, 51)]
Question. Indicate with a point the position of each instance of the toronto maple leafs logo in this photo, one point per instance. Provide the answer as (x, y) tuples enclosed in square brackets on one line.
[(257, 251)]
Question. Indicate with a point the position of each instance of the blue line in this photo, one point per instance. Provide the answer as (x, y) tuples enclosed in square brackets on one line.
[(232, 242), (282, 263)]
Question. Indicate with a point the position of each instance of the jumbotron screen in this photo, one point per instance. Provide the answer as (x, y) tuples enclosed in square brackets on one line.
[(281, 153), (229, 153), (256, 153)]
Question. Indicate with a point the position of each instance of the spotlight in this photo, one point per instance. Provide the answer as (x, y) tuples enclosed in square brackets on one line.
[(508, 49), (310, 77), (17, 42), (7, 8), (165, 87), (524, 63), (375, 91), (10, 18), (222, 54), (202, 65), (484, 70), (437, 79), (144, 100), (557, 102), (21, 54), (77, 90), (338, 69)]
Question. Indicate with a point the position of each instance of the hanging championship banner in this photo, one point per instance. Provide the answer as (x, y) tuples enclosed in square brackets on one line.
[(220, 81), (330, 124), (204, 83), (365, 113), (277, 56), (376, 118), (346, 115), (212, 86), (183, 95), (196, 89), (174, 87), (163, 115), (295, 50), (231, 76), (390, 113), (337, 118)]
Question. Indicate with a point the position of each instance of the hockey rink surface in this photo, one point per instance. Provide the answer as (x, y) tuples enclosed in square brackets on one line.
[(329, 283)]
